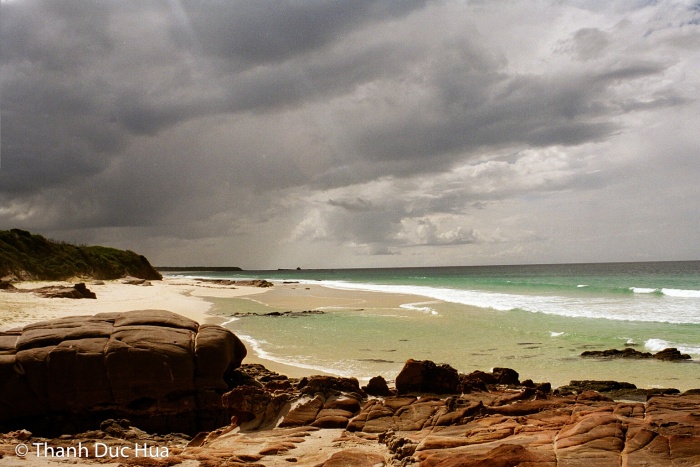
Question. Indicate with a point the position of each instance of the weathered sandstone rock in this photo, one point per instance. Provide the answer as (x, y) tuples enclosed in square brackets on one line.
[(162, 371), (325, 421), (77, 291)]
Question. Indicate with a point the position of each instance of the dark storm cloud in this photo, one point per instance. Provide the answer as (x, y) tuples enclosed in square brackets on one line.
[(263, 31), (378, 125), (496, 109)]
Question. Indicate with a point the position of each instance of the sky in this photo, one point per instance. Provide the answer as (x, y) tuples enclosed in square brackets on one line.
[(367, 133)]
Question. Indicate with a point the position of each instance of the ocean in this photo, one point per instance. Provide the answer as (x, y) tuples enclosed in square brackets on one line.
[(536, 319)]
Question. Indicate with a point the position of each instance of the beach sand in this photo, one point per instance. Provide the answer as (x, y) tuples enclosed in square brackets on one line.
[(186, 297), (191, 298), (352, 339)]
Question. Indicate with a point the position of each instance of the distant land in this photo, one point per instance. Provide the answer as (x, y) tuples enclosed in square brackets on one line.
[(26, 256), (199, 268)]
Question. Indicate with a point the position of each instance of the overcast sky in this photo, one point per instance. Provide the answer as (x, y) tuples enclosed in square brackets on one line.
[(326, 133)]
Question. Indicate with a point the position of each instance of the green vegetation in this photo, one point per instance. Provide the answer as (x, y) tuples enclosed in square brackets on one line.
[(32, 257)]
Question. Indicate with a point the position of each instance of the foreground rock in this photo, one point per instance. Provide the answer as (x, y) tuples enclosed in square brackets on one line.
[(161, 372), (330, 421), (164, 372), (507, 423)]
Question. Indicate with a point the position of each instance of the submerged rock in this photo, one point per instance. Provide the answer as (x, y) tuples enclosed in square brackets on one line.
[(670, 354)]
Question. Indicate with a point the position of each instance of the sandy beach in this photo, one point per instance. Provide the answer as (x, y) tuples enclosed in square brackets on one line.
[(362, 333), (183, 297), (190, 298)]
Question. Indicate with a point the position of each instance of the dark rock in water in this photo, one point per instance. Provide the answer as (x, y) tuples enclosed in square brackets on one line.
[(163, 371), (277, 314), (243, 283), (671, 355), (426, 376), (377, 387), (614, 353)]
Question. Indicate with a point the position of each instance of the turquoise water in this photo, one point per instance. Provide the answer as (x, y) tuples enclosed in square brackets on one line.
[(536, 319)]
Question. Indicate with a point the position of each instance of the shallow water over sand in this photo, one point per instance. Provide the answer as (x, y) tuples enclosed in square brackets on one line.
[(364, 334)]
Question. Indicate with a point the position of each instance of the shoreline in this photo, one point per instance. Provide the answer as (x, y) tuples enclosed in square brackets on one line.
[(207, 303), (186, 297), (515, 339)]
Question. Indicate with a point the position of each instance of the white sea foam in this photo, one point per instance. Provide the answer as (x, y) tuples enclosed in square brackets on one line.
[(657, 345), (229, 321), (257, 347), (681, 293), (685, 310), (417, 307), (580, 286), (676, 293), (643, 290), (556, 334)]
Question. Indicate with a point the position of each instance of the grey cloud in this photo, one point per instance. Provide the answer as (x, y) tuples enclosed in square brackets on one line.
[(589, 43), (255, 31), (369, 126), (55, 35), (356, 205)]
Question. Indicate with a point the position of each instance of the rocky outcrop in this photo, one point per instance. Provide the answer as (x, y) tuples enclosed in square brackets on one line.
[(615, 390), (160, 370), (507, 424), (670, 354), (330, 421), (76, 291), (425, 376), (59, 291)]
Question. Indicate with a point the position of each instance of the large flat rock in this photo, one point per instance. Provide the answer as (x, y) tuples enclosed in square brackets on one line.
[(154, 367)]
